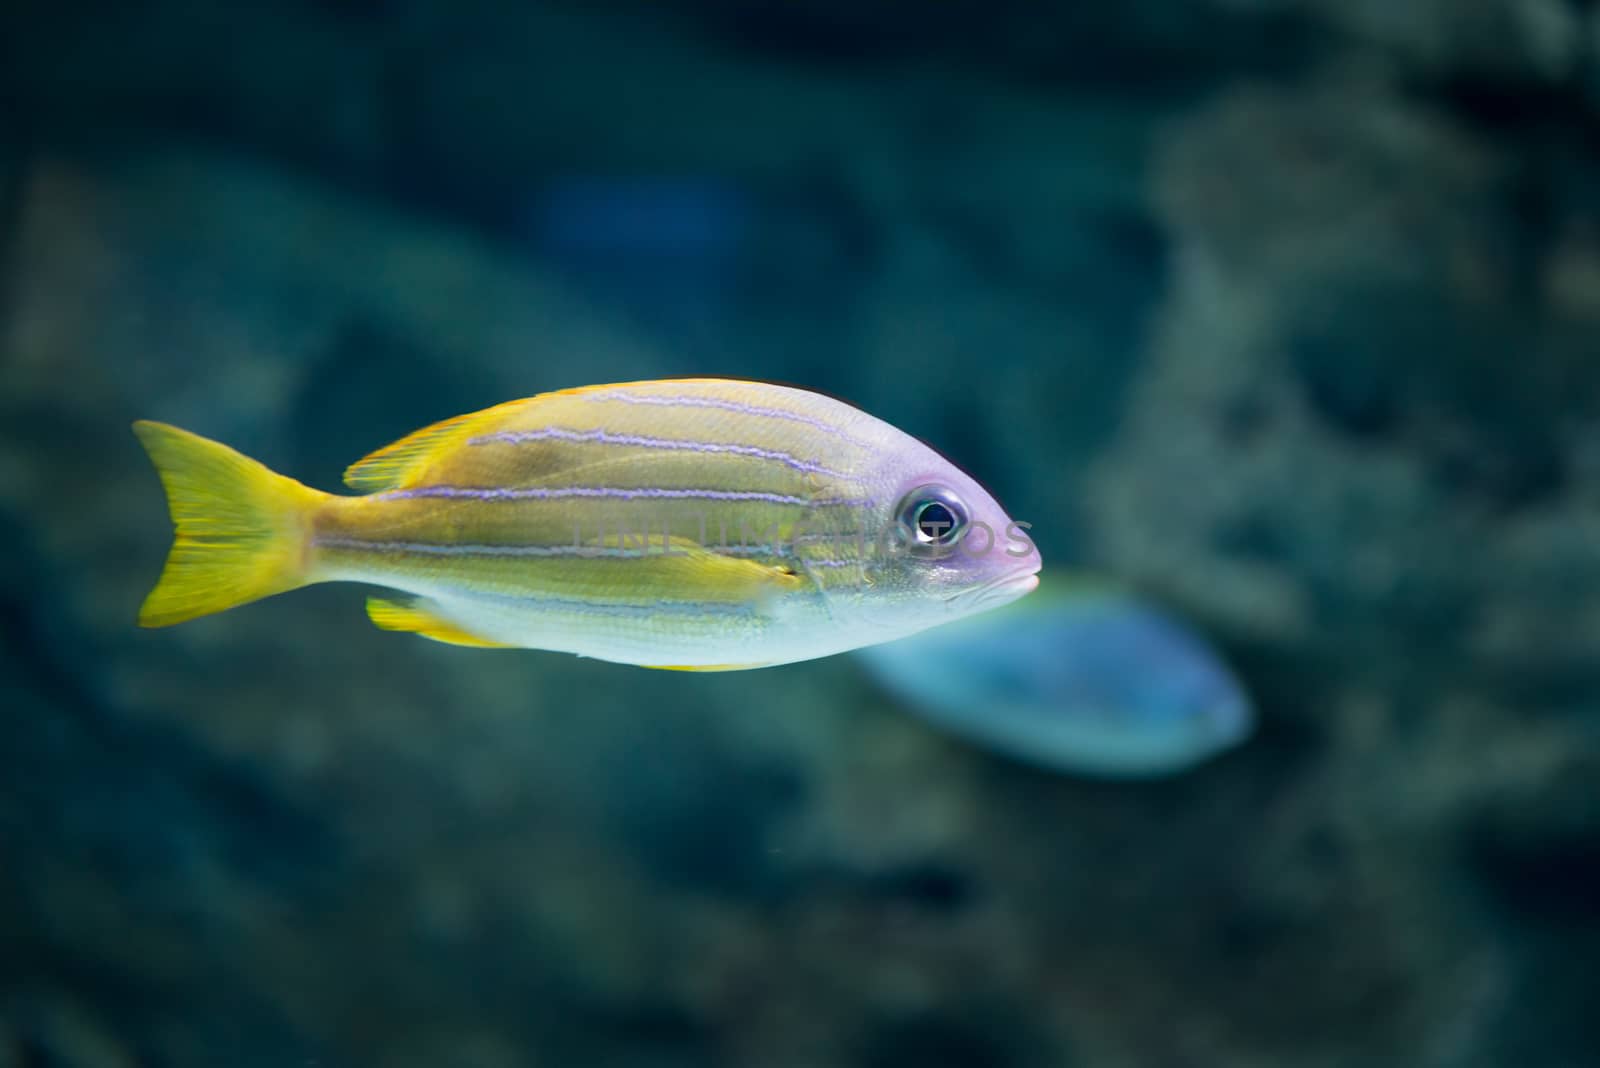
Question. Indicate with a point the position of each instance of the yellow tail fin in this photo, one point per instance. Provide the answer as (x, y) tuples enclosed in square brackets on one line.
[(240, 529)]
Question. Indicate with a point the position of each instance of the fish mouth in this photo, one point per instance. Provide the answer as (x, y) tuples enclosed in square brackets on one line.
[(996, 592)]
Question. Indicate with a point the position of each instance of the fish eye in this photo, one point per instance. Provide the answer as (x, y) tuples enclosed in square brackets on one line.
[(932, 519)]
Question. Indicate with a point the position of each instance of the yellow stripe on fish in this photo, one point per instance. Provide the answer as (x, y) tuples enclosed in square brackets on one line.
[(696, 523)]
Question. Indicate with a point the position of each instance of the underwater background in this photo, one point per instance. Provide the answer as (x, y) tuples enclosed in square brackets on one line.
[(1285, 313)]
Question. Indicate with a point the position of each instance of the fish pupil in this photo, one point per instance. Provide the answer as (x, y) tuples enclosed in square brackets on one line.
[(936, 522)]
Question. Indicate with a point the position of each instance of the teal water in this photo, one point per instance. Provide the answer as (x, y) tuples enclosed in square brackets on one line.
[(1282, 315)]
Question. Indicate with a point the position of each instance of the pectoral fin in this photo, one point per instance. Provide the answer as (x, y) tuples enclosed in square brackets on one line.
[(682, 569), (418, 618)]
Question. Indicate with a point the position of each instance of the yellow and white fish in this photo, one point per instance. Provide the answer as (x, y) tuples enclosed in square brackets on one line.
[(698, 523)]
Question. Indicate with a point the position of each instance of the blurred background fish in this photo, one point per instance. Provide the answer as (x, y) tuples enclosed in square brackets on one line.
[(1092, 681)]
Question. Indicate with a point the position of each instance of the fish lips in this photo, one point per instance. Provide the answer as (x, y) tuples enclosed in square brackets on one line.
[(998, 591)]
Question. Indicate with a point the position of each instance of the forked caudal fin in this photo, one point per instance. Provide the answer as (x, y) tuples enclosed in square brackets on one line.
[(239, 528)]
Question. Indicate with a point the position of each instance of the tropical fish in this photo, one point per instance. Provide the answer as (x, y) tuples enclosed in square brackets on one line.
[(703, 524), (1095, 682)]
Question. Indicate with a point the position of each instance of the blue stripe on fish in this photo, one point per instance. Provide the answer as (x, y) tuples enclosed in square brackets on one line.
[(627, 609), (604, 437), (423, 548), (686, 401), (785, 551), (539, 493), (427, 548)]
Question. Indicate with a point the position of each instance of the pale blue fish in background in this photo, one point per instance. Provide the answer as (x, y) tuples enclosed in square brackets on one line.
[(1090, 681)]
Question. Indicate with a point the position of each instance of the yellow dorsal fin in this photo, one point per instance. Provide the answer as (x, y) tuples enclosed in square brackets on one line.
[(416, 618), (398, 465)]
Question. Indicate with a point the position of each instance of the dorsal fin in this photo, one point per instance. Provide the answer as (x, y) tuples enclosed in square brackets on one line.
[(396, 466)]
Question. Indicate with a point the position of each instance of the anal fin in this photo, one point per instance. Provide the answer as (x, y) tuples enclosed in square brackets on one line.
[(414, 617)]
